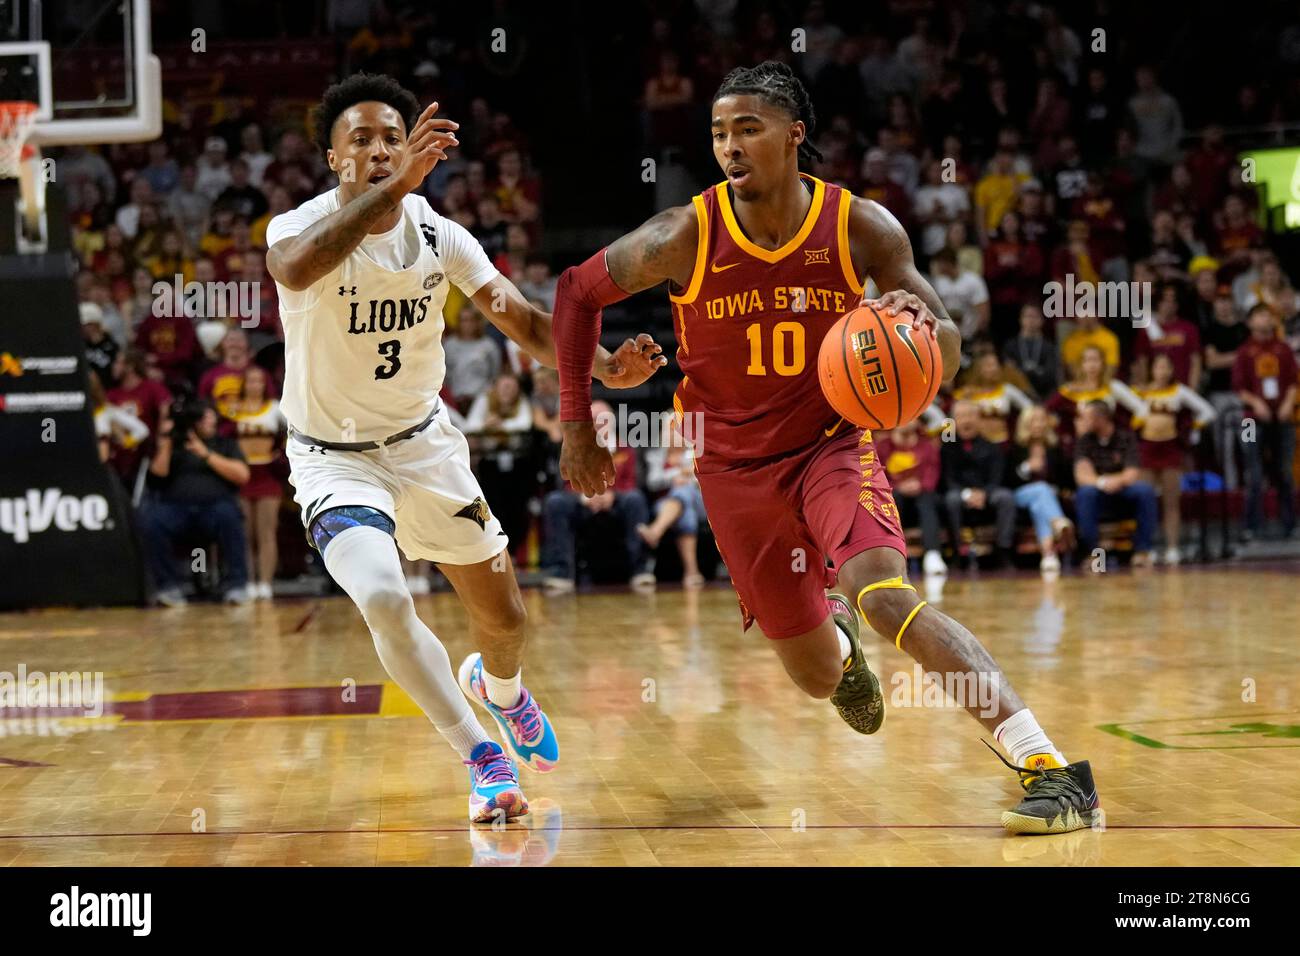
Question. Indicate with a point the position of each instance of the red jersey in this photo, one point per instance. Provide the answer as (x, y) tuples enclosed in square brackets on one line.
[(751, 322)]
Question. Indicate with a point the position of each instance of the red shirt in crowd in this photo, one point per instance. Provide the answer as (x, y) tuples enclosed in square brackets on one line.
[(1266, 369), (921, 461), (1180, 341), (171, 340), (145, 401)]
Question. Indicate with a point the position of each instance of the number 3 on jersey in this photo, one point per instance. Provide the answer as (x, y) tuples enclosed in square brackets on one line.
[(389, 350), (787, 338)]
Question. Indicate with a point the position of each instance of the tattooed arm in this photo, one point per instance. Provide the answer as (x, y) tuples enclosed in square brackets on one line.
[(881, 251), (661, 249), (299, 262)]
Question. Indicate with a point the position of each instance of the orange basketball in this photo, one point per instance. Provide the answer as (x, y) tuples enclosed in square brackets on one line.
[(877, 371)]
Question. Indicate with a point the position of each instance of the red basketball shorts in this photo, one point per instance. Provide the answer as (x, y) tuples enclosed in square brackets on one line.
[(776, 521)]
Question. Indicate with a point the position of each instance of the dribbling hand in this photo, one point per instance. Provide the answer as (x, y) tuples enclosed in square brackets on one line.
[(584, 462)]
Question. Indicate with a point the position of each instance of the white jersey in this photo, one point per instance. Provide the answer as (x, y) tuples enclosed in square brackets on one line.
[(363, 346)]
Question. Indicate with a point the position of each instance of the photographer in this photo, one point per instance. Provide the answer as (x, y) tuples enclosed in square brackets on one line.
[(195, 476)]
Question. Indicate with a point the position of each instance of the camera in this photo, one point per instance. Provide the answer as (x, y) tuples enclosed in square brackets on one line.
[(186, 414)]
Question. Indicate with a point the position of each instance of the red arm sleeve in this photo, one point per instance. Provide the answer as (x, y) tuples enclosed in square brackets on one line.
[(575, 323)]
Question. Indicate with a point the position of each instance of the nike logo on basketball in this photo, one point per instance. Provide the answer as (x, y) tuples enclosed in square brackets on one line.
[(714, 267)]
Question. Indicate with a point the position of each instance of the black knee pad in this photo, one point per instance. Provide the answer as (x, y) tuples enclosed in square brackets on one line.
[(329, 524)]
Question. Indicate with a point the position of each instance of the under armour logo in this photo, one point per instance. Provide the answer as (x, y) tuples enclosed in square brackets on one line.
[(430, 236), (344, 290), (317, 448)]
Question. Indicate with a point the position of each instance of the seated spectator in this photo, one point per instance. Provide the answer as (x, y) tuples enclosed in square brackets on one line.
[(116, 428), (1274, 289), (1162, 442), (195, 494), (188, 207), (241, 196), (1032, 355), (213, 170), (101, 350), (518, 194), (1014, 270), (911, 460), (538, 284), (963, 293), (502, 408), (170, 261), (973, 482), (997, 399), (1038, 471), (1106, 472), (473, 359), (1093, 384), (498, 424), (260, 428), (1089, 333), (670, 468), (1167, 334), (1222, 337), (938, 204), (565, 511), (142, 397), (162, 173), (223, 383), (168, 335), (128, 216), (995, 193), (1264, 376)]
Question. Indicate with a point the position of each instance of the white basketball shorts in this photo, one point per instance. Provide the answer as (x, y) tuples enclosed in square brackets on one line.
[(423, 483)]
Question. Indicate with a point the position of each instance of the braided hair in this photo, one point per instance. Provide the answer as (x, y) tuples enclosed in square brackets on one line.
[(776, 83)]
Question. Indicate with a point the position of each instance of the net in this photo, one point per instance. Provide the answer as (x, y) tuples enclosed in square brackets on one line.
[(17, 117)]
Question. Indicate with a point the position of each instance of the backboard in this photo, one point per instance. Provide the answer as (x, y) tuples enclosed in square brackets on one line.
[(88, 64)]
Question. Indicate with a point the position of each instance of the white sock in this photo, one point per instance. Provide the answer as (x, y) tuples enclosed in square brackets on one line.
[(1023, 738), (364, 561), (503, 691), (845, 647), (465, 736)]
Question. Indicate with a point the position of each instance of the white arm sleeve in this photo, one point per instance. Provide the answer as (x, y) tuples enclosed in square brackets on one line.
[(1199, 407), (1129, 399), (1018, 399)]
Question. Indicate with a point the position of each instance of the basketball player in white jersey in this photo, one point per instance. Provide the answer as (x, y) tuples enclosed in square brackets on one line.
[(362, 273)]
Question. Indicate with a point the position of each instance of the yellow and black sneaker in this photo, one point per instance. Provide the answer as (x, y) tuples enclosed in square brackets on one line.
[(858, 699), (1057, 799)]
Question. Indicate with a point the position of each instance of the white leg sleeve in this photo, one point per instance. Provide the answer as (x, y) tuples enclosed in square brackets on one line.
[(365, 563)]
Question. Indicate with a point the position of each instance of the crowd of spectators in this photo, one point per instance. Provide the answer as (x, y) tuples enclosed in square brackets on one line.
[(1009, 173)]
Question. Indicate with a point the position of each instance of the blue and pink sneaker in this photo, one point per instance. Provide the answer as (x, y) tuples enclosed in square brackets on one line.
[(494, 792), (524, 726)]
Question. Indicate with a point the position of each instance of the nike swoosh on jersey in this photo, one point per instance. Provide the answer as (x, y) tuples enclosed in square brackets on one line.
[(714, 267)]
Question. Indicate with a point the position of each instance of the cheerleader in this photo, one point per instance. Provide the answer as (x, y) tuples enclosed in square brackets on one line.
[(997, 399), (260, 428), (1093, 384), (1161, 447)]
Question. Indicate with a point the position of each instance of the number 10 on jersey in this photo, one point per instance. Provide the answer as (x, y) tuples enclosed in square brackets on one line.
[(787, 349)]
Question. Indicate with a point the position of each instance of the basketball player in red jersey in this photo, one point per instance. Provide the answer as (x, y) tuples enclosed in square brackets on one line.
[(759, 267)]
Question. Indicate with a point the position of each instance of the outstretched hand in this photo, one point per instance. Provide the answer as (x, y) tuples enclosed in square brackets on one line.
[(634, 362), (428, 143)]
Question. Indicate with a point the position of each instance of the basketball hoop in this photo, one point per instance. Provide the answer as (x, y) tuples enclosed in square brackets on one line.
[(17, 117)]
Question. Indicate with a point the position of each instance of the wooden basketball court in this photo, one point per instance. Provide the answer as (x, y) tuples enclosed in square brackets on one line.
[(270, 735)]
